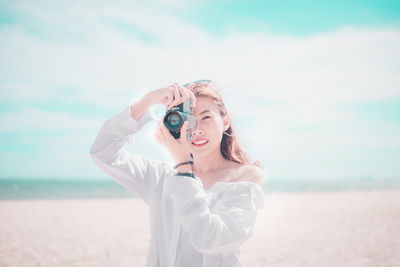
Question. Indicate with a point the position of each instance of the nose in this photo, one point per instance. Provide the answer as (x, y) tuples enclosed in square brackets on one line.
[(196, 131)]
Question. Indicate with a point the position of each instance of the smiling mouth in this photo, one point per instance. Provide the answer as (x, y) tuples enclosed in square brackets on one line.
[(200, 144)]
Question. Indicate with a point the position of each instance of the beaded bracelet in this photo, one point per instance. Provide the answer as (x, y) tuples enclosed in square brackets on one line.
[(189, 174), (184, 163)]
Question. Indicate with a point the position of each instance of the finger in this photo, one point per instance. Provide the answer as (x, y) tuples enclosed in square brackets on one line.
[(183, 137), (160, 131), (157, 135), (192, 97), (182, 93), (177, 98), (165, 132), (173, 94), (170, 97), (189, 93), (185, 95)]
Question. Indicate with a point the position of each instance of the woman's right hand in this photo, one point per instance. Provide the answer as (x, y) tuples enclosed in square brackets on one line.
[(172, 95)]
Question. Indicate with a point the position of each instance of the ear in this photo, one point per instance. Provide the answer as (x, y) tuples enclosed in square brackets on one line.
[(227, 122)]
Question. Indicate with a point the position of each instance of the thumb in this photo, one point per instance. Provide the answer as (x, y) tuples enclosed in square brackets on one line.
[(184, 131)]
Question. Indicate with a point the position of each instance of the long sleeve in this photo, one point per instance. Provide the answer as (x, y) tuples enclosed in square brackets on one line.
[(138, 174), (221, 227)]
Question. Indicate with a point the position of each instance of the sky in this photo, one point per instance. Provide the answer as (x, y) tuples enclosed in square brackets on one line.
[(313, 87)]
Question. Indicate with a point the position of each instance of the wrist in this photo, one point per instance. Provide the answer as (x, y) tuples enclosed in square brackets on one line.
[(187, 174), (184, 168), (138, 109), (181, 158), (184, 165), (149, 98)]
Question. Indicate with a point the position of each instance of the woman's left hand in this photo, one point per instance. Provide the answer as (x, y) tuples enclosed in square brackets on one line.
[(179, 148)]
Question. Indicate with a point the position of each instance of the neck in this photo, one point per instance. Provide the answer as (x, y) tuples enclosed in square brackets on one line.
[(208, 163)]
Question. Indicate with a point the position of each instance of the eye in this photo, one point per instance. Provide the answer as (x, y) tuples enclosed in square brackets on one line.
[(206, 117)]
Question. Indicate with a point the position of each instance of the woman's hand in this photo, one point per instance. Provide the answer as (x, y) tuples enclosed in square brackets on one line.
[(172, 95), (178, 148)]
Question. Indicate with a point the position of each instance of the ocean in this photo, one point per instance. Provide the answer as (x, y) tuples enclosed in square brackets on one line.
[(18, 188)]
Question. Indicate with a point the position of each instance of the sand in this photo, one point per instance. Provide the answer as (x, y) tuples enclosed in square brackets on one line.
[(295, 229)]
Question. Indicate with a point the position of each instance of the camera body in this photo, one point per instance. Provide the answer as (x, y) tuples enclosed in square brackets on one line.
[(177, 115)]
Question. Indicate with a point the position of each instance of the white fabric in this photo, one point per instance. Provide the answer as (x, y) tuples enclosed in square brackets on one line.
[(187, 255), (186, 221)]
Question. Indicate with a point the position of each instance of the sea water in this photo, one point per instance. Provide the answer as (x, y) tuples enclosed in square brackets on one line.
[(29, 188)]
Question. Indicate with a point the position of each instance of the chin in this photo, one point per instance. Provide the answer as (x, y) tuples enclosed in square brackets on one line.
[(201, 154)]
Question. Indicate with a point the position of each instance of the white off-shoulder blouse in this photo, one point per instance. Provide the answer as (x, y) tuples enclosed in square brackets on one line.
[(189, 225)]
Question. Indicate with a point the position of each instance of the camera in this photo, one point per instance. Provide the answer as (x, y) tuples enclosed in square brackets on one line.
[(177, 115)]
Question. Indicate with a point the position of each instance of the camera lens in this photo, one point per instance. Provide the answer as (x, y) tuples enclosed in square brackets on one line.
[(173, 121)]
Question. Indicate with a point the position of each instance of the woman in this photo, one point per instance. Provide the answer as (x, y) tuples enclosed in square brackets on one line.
[(204, 205)]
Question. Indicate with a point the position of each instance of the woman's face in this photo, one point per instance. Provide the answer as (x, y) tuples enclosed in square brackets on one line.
[(207, 135)]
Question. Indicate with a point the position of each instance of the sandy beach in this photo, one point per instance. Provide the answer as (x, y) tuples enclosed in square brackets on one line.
[(295, 229)]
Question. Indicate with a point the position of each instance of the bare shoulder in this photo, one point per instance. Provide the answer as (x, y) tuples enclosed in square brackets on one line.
[(251, 173)]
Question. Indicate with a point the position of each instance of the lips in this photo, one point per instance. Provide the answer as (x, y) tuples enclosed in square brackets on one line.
[(202, 140)]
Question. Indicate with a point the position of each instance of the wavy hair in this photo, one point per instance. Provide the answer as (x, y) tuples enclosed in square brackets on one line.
[(230, 145)]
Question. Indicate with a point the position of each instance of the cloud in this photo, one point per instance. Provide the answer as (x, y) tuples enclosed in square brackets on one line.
[(102, 55), (36, 120)]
